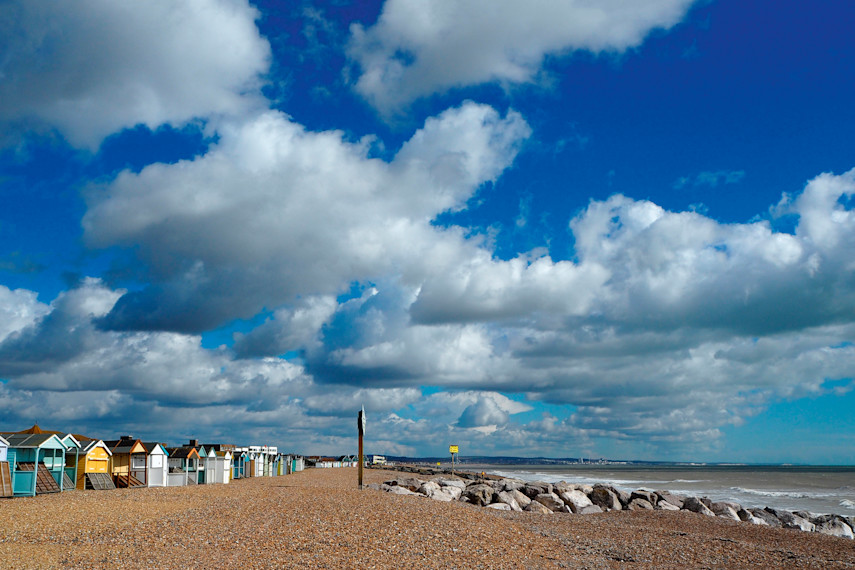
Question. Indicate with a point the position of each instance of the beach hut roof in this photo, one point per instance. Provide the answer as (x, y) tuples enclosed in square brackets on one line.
[(69, 441), (151, 446), (124, 445), (90, 444), (28, 440), (183, 452), (35, 429), (3, 442)]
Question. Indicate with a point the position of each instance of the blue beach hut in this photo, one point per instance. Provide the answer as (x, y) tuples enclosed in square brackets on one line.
[(36, 463)]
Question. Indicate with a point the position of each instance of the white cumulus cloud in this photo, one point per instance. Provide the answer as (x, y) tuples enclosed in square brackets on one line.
[(94, 67), (418, 48)]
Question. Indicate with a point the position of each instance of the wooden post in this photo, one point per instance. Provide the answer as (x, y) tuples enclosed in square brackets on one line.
[(361, 426)]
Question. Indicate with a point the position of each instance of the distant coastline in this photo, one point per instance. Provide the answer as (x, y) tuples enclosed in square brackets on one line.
[(476, 460)]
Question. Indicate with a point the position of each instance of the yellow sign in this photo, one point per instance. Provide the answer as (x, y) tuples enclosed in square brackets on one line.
[(452, 449)]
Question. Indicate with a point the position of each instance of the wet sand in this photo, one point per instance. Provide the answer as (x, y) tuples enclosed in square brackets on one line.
[(319, 519)]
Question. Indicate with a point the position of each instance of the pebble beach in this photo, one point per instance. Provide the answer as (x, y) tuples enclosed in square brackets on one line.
[(318, 518)]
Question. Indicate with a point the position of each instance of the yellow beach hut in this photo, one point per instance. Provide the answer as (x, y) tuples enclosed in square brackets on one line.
[(94, 470)]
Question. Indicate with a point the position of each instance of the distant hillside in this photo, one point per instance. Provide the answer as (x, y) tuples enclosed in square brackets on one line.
[(486, 459), (510, 460)]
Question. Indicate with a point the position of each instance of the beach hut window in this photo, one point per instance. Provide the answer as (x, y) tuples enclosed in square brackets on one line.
[(139, 462)]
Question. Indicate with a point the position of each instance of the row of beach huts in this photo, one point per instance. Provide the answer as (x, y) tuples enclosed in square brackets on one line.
[(36, 461)]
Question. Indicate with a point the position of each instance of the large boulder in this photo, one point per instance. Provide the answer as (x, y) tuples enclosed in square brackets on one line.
[(521, 498), (410, 483), (676, 500), (537, 507), (766, 516), (562, 486), (400, 490), (724, 510), (445, 496), (622, 496), (451, 483), (575, 499), (666, 506), (499, 506), (696, 505), (452, 491), (834, 525), (508, 499), (605, 498), (428, 488), (791, 520), (479, 494), (589, 510), (648, 496), (552, 502), (534, 488), (746, 516), (512, 484), (639, 504)]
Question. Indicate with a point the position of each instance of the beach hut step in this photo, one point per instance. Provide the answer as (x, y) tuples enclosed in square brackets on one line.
[(45, 483), (67, 483), (5, 480), (128, 481), (99, 482)]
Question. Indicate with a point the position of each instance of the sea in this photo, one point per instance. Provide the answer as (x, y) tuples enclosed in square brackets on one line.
[(819, 490)]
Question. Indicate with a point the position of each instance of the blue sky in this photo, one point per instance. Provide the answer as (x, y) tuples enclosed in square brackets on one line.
[(616, 229)]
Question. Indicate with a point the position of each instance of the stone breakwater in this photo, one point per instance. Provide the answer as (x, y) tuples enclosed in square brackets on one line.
[(548, 498)]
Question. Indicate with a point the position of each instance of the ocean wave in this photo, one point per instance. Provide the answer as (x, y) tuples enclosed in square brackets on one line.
[(787, 494), (848, 504)]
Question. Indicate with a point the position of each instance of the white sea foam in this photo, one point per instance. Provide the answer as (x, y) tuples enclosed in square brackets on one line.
[(848, 504), (787, 494)]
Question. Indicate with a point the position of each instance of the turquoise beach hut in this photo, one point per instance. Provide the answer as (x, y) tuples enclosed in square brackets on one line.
[(72, 456), (36, 463), (239, 464)]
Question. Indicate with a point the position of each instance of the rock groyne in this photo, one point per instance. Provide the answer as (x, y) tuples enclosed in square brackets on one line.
[(493, 492)]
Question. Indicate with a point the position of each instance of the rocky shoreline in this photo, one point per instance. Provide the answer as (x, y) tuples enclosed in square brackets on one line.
[(493, 492)]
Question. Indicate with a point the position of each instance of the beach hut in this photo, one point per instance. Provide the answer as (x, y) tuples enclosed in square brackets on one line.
[(157, 464), (220, 468), (211, 466), (93, 466), (129, 462), (224, 462), (201, 466), (298, 463), (251, 462), (72, 454), (239, 458), (36, 463), (183, 466), (5, 472)]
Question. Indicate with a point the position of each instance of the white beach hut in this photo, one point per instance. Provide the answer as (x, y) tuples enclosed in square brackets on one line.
[(157, 464), (223, 466)]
